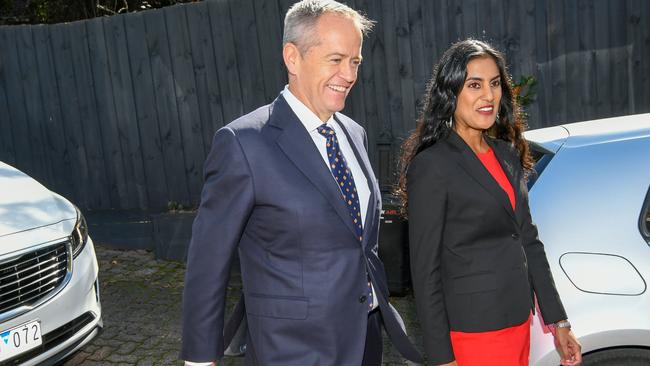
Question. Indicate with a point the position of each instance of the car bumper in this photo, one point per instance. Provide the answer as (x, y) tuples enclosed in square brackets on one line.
[(70, 319)]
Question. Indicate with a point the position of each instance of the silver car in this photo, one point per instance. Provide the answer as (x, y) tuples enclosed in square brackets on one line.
[(590, 201), (49, 294)]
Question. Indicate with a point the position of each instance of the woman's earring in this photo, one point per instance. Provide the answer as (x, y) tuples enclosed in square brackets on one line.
[(449, 122), (496, 120)]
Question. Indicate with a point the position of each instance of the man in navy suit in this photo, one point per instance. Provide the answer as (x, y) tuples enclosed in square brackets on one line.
[(290, 187)]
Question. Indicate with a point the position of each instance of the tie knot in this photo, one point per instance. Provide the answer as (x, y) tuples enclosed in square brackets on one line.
[(326, 130)]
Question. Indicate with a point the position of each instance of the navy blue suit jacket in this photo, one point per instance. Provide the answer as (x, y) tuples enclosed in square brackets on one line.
[(269, 194)]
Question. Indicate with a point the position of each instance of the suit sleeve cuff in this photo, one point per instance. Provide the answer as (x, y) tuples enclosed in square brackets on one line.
[(439, 350)]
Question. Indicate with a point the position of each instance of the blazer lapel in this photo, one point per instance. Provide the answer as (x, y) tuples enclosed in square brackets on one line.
[(364, 163), (296, 143), (473, 166), (514, 176)]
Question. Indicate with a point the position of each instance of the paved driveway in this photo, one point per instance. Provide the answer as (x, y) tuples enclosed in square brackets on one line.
[(141, 302)]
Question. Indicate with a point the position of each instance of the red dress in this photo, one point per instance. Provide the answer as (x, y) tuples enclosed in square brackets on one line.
[(503, 347)]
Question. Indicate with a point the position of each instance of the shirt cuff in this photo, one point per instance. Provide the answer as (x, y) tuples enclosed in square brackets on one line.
[(190, 363)]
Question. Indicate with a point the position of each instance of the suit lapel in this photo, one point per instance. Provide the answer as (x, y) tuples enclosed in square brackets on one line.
[(511, 170), (473, 166), (370, 179), (295, 142)]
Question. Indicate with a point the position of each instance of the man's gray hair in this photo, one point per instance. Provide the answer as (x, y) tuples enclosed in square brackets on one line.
[(301, 18)]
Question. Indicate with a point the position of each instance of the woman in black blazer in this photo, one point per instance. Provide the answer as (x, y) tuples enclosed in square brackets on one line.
[(476, 261)]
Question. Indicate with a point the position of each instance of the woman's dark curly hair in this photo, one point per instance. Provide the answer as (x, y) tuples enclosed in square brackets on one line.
[(448, 78)]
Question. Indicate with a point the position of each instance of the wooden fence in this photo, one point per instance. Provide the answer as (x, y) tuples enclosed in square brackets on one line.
[(119, 112)]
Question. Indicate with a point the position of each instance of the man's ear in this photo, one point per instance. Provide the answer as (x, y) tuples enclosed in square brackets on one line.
[(291, 56)]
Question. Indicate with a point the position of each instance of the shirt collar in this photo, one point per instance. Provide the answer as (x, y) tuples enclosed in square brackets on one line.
[(308, 118)]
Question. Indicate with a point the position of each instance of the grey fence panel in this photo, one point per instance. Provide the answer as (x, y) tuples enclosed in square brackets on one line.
[(504, 29), (98, 195), (405, 66), (284, 6), (15, 101), (440, 36), (33, 104), (120, 112), (572, 69), (393, 97), (387, 85), (75, 160), (268, 22), (54, 136), (470, 24), (618, 57), (368, 84), (6, 136), (145, 110), (644, 50), (420, 60), (223, 43), (519, 34), (248, 54), (639, 38), (164, 92), (634, 35), (585, 60), (541, 56), (603, 67), (557, 48), (205, 72), (107, 115), (123, 97), (186, 99)]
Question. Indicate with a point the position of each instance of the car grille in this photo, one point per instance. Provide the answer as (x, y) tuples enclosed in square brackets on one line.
[(54, 338), (32, 276)]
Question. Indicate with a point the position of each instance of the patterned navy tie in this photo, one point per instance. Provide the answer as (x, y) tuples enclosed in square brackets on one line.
[(343, 177)]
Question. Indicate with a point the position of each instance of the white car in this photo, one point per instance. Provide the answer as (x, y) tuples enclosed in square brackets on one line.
[(49, 294), (590, 202)]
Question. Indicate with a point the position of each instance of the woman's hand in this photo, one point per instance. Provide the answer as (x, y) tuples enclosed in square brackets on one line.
[(568, 347)]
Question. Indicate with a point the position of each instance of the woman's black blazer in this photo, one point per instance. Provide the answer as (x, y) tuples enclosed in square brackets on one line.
[(476, 263)]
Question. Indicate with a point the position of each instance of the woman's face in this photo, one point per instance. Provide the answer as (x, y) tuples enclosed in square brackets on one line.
[(477, 104)]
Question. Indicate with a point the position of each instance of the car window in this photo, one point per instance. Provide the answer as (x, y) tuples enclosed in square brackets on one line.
[(644, 220), (541, 159)]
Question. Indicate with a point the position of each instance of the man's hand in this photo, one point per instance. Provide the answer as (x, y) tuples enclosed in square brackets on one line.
[(568, 347)]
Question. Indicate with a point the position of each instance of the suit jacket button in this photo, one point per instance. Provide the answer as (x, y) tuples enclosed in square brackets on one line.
[(515, 236), (362, 299)]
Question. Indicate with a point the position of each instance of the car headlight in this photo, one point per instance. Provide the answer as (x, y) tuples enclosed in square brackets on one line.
[(79, 235)]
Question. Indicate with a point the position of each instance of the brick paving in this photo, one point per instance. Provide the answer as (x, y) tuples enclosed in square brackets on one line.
[(141, 305)]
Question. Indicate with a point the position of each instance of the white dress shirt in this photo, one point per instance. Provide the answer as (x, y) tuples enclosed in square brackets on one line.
[(311, 123)]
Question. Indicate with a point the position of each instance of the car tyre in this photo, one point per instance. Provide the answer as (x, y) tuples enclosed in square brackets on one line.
[(618, 357)]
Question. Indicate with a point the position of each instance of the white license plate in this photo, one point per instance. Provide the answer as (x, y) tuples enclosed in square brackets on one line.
[(20, 339)]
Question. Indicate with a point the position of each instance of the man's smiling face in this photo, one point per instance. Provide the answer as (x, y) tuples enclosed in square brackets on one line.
[(323, 75)]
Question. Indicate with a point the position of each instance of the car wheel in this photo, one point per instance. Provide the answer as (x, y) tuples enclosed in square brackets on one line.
[(618, 357)]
